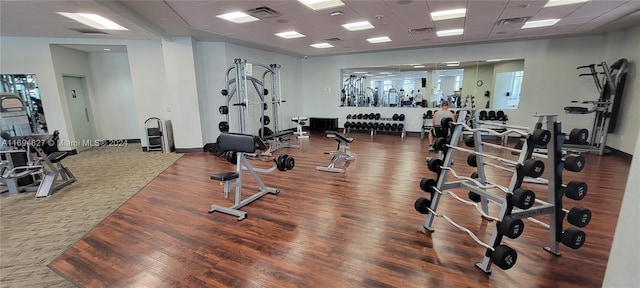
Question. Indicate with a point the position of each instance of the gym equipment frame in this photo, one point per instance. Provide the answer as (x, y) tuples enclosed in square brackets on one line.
[(611, 89), (341, 159), (518, 203), (241, 144)]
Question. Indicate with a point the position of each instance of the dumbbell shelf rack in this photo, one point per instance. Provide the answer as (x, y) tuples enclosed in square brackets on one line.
[(380, 121), (555, 193)]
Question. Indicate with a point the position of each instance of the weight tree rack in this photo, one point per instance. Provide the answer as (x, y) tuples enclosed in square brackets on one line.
[(518, 203)]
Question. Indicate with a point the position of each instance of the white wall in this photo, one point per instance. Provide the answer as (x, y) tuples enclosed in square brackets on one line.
[(210, 68), (618, 45), (182, 92), (33, 56), (624, 259), (549, 69), (115, 110), (149, 81)]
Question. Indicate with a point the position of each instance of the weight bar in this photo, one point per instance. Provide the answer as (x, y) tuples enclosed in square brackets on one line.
[(475, 197), (348, 116), (523, 198), (265, 133), (232, 157), (365, 116), (434, 165), (427, 185), (573, 237), (574, 163), (401, 117), (387, 126), (265, 92), (372, 116), (360, 116), (265, 120), (579, 216), (377, 116), (394, 127), (575, 190), (223, 126), (400, 127), (395, 117), (579, 136), (224, 110), (514, 151), (511, 227), (285, 162), (503, 256), (532, 167)]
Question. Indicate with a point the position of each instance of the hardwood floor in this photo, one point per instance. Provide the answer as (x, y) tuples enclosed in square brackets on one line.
[(357, 229)]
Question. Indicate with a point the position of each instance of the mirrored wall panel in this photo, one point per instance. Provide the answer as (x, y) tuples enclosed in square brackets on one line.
[(494, 84), (21, 111)]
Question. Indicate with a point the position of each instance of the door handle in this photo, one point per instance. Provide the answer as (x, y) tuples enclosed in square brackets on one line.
[(86, 113)]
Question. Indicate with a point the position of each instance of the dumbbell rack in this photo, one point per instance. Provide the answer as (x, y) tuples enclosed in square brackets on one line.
[(502, 255), (376, 124)]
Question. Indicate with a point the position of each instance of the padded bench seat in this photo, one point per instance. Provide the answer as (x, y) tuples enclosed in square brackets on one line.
[(56, 157), (225, 176), (576, 109)]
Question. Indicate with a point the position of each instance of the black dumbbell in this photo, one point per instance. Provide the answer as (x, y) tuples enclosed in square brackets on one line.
[(575, 190), (422, 205), (223, 126), (579, 136), (579, 216), (511, 227), (224, 110), (574, 163), (435, 165), (523, 198), (573, 237), (504, 257)]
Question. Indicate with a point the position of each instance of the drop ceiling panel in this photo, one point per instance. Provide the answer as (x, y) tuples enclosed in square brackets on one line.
[(517, 9), (38, 19)]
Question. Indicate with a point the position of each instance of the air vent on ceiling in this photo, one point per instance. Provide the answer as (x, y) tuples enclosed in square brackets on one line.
[(420, 30), (264, 12), (87, 31), (508, 21), (335, 39)]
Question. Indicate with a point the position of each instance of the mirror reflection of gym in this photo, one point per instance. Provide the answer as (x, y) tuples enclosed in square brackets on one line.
[(490, 84), (21, 111)]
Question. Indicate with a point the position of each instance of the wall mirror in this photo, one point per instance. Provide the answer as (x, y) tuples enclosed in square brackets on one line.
[(20, 105), (494, 84)]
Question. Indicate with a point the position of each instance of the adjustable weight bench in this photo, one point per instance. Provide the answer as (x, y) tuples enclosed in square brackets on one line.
[(341, 159), (276, 142), (241, 144)]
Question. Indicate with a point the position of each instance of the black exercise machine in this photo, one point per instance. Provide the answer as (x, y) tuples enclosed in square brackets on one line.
[(611, 89)]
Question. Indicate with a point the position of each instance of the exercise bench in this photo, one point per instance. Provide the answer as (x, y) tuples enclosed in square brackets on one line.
[(241, 144), (341, 159)]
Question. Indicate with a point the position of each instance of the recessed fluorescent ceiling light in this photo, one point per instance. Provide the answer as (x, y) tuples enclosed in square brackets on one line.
[(448, 14), (237, 17), (355, 26), (321, 45), (418, 66), (290, 35), (385, 73), (494, 60), (93, 20), (379, 39), (321, 4), (360, 72), (452, 32), (453, 64), (553, 3), (539, 23)]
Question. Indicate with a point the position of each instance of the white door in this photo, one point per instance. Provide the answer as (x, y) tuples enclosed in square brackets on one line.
[(502, 92), (79, 112)]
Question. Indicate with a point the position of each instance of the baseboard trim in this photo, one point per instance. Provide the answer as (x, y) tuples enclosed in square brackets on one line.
[(620, 153), (188, 150)]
